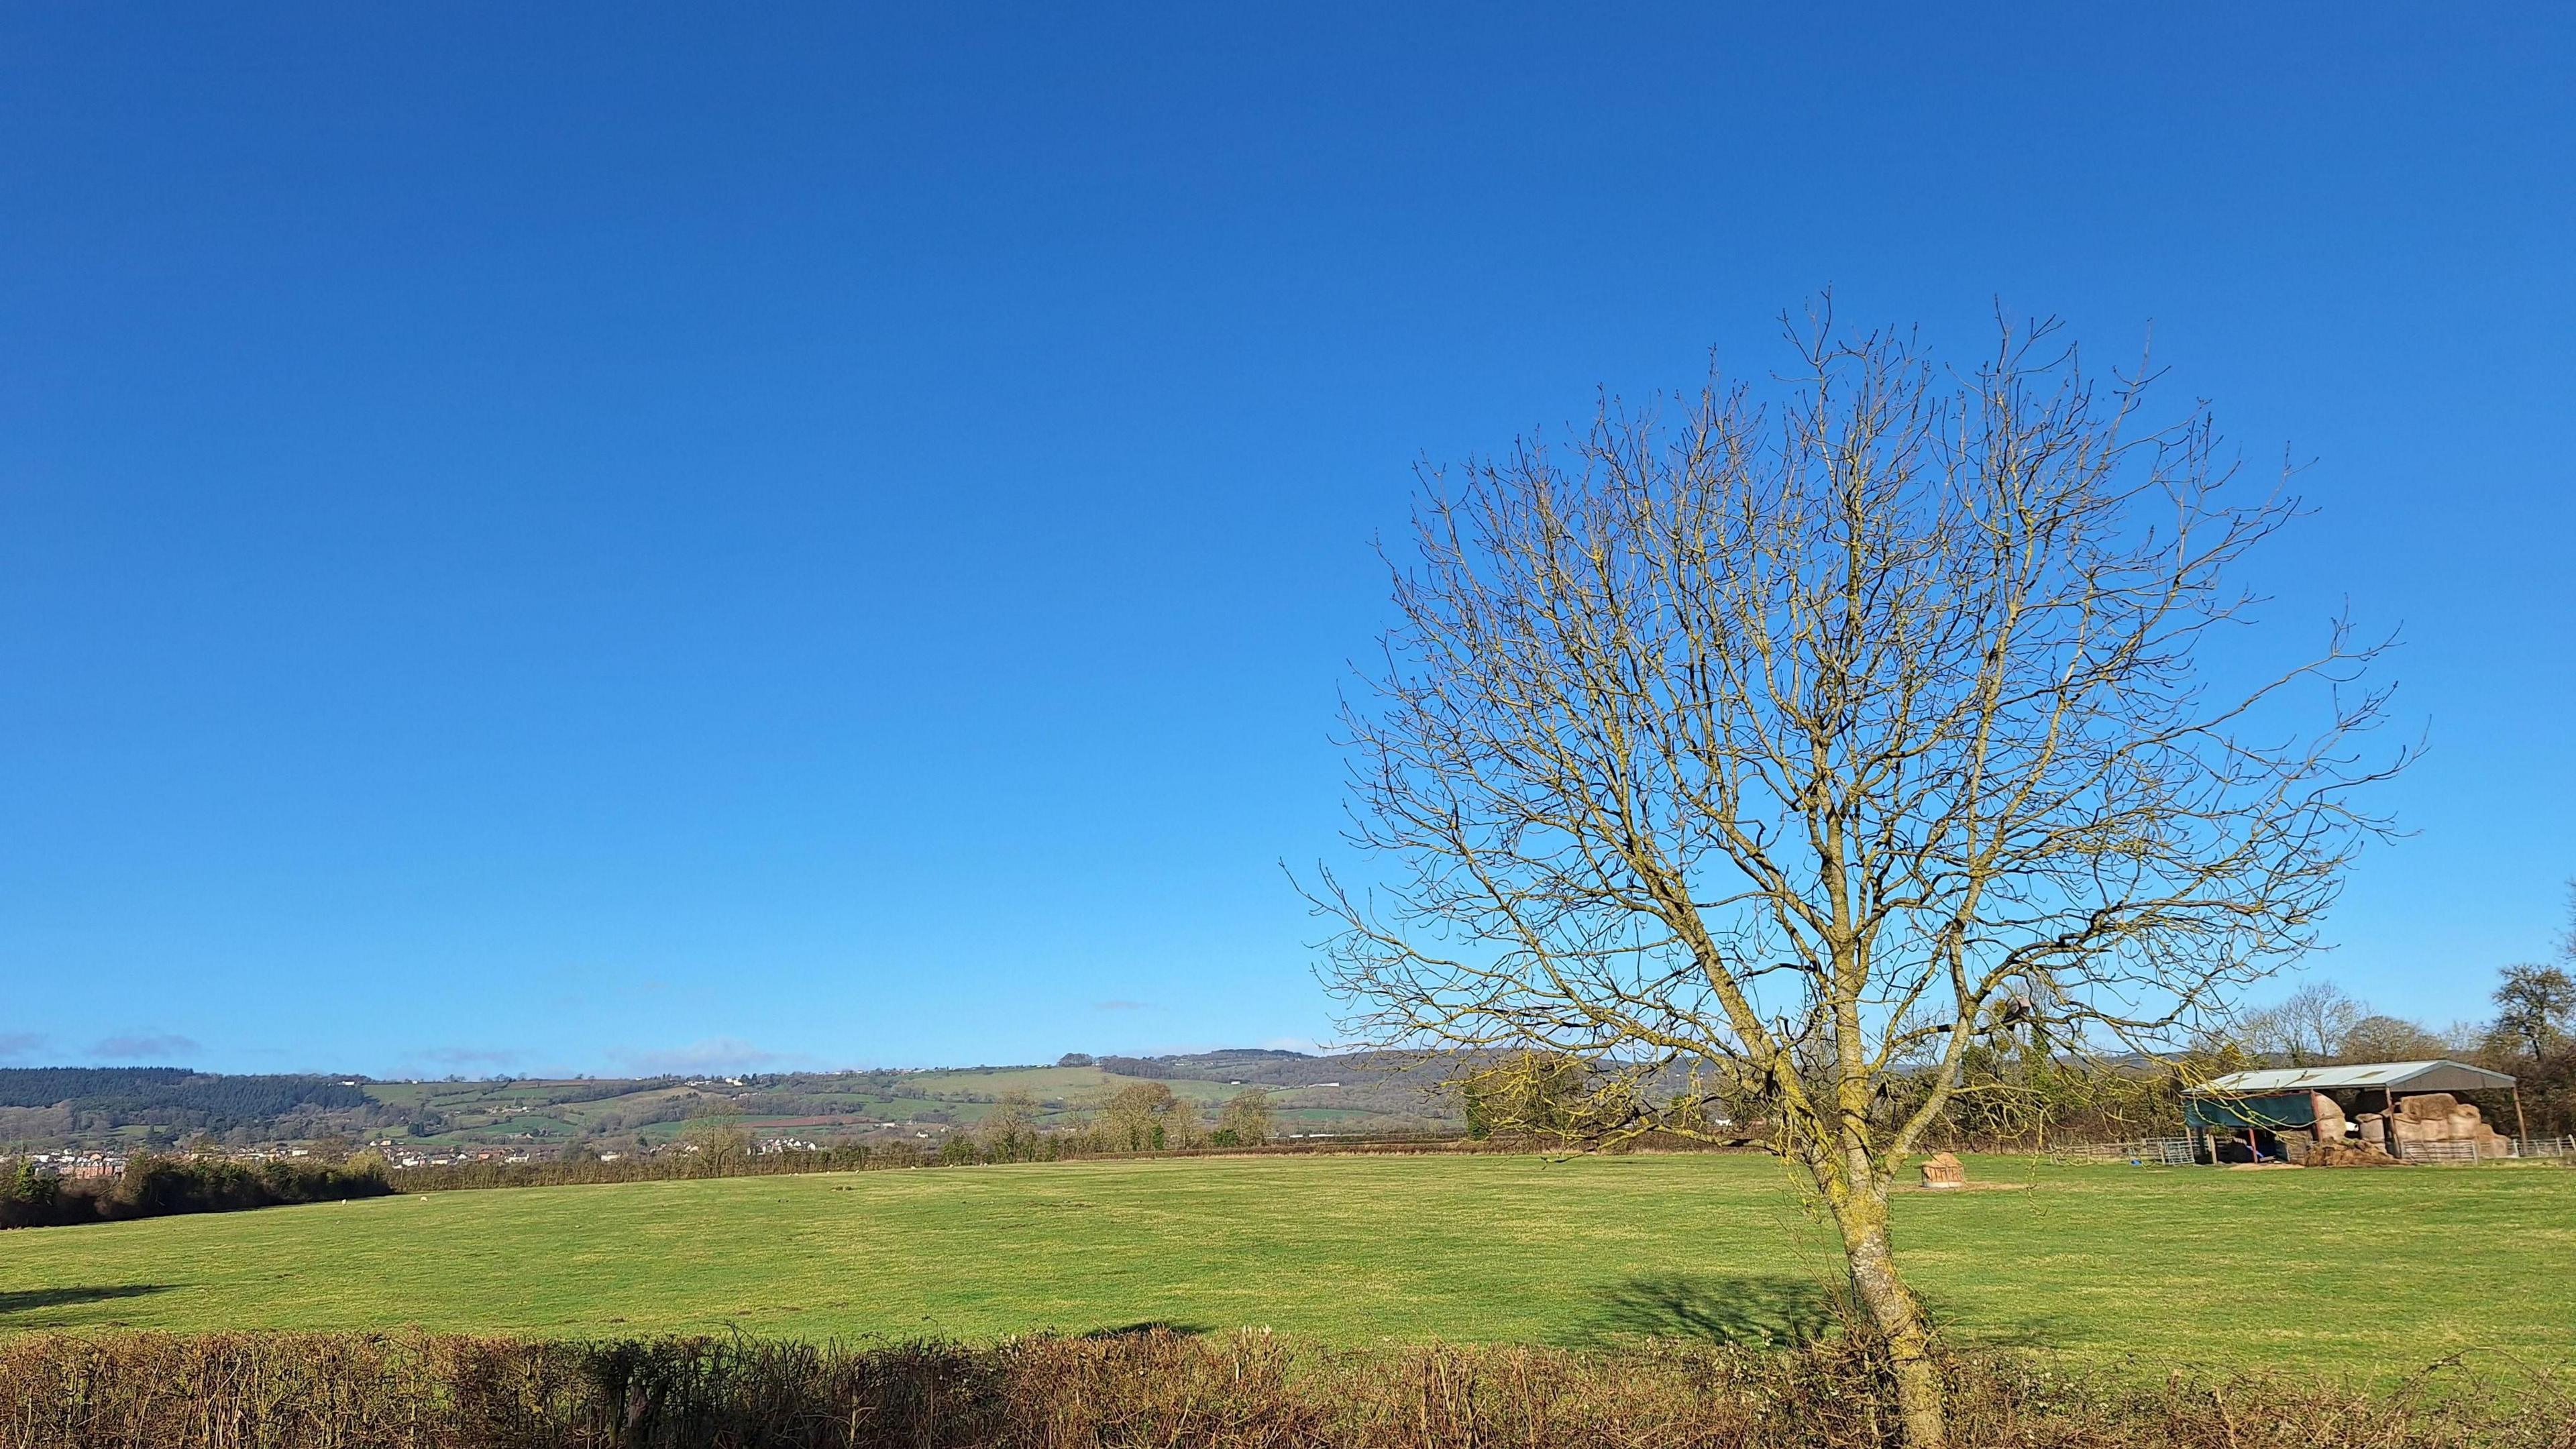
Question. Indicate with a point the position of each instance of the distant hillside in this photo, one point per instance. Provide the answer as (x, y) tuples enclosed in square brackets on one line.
[(172, 1089), (1268, 1068), (69, 1101), (131, 1107)]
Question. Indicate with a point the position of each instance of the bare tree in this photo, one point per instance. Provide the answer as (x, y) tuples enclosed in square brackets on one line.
[(1008, 1130), (718, 1139), (1245, 1120), (2310, 1025), (2391, 1039), (1146, 1115), (1799, 748), (1181, 1126)]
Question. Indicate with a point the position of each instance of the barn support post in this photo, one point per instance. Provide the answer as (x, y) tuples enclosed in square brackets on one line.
[(2521, 1132)]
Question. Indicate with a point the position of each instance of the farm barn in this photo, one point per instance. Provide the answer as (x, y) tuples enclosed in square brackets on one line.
[(2408, 1111)]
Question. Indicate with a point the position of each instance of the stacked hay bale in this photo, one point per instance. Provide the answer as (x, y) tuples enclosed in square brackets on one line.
[(2336, 1146), (2305, 1147), (2442, 1123)]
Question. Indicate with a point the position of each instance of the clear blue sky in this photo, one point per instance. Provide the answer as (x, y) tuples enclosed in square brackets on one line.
[(613, 537)]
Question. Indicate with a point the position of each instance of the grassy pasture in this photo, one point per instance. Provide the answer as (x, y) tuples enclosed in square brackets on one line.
[(2380, 1271)]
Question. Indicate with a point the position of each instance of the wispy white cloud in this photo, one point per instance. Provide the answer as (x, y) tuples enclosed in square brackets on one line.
[(16, 1046), (451, 1056), (161, 1048), (1118, 1006), (715, 1054)]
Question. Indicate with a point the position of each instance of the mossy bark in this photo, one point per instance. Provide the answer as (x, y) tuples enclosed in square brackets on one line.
[(1894, 1313)]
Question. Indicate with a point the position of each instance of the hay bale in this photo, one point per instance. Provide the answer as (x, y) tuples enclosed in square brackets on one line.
[(2345, 1154), (2329, 1114), (2454, 1126), (1941, 1170), (2427, 1104)]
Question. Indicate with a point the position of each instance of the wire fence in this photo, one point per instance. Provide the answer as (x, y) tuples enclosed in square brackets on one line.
[(2446, 1154), (2464, 1154), (2178, 1152), (2138, 1152)]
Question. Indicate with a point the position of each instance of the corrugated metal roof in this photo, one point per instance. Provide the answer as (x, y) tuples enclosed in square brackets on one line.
[(2434, 1076)]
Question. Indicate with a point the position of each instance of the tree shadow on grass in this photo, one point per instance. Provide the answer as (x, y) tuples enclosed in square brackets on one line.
[(1148, 1326), (2029, 1330), (1760, 1311), (1755, 1310), (28, 1300)]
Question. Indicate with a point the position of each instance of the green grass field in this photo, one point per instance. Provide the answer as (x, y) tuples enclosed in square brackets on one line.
[(2377, 1271)]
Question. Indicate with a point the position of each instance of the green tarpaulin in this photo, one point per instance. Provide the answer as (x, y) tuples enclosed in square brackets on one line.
[(2270, 1111)]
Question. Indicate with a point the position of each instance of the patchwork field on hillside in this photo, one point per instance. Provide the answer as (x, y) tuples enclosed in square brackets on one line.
[(835, 1106), (129, 1109), (2379, 1271)]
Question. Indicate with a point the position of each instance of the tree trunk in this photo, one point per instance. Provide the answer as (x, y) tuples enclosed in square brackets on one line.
[(1897, 1317)]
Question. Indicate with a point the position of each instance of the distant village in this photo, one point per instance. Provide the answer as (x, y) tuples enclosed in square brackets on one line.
[(78, 1165)]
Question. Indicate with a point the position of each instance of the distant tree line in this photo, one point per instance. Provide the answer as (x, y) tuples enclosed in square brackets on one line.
[(2020, 1088), (583, 1167), (184, 1097), (67, 1104), (1145, 1067), (1142, 1117), (155, 1186)]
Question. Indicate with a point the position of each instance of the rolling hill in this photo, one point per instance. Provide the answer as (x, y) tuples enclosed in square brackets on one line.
[(135, 1107)]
